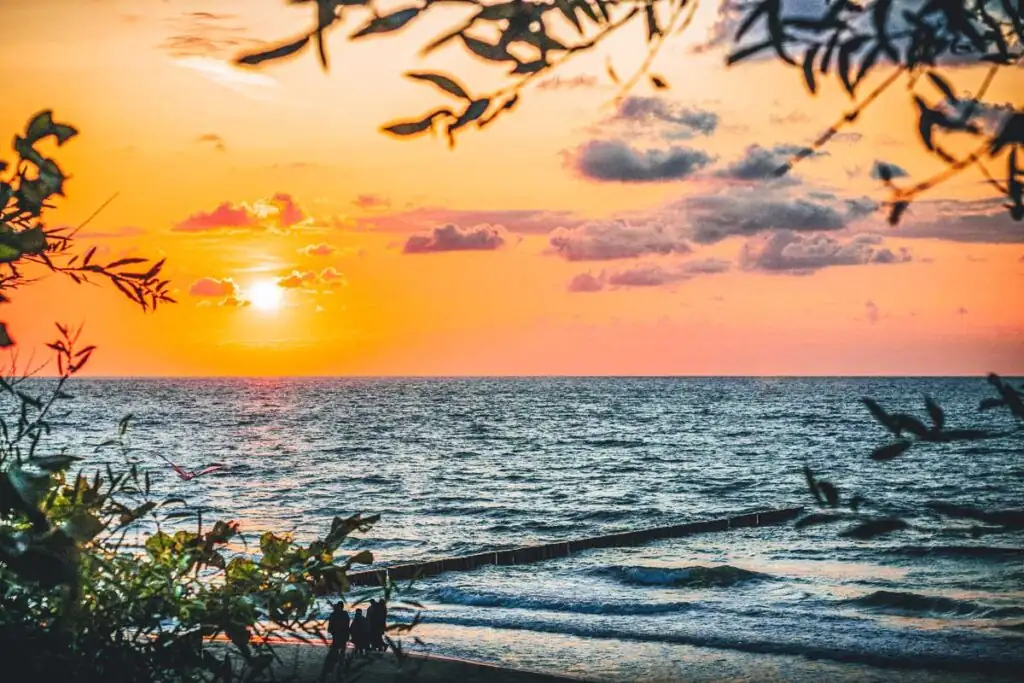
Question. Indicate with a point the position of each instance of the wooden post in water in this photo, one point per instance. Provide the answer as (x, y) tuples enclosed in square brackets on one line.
[(537, 553)]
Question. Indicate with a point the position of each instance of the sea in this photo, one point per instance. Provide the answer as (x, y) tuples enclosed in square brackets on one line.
[(459, 466)]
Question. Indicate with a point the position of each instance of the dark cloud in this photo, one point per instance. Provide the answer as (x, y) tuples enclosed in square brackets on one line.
[(453, 238), (879, 168), (585, 282), (713, 218), (650, 275), (647, 275), (617, 161), (790, 252), (608, 240), (760, 163), (647, 110)]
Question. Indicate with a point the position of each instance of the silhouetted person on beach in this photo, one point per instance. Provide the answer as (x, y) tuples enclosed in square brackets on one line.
[(338, 627), (377, 616), (360, 633)]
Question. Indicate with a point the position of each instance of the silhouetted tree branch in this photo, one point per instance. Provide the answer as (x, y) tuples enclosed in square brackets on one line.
[(847, 40)]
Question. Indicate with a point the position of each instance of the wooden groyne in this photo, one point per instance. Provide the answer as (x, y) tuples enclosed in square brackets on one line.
[(548, 551)]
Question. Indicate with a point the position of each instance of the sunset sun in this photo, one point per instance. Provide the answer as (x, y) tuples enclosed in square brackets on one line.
[(265, 296)]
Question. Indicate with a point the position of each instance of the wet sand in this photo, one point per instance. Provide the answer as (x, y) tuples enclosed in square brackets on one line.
[(304, 663)]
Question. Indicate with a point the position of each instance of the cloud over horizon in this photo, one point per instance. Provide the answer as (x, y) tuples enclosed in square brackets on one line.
[(609, 240), (786, 251), (646, 275), (451, 237)]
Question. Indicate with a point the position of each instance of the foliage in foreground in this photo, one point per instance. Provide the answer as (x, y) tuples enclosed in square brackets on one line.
[(921, 41), (94, 584), (910, 431)]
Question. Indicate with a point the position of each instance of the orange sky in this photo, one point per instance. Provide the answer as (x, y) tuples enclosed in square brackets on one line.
[(177, 132)]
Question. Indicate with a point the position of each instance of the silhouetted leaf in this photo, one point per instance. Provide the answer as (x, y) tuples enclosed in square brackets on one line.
[(872, 529), (653, 29), (944, 86), (416, 127), (749, 51), (443, 82), (890, 451), (812, 484), (388, 23), (5, 337), (990, 403), (569, 13), (883, 417), (830, 492), (809, 57), (846, 52), (757, 11), (909, 423), (935, 411), (493, 53), (1012, 133), (658, 82), (897, 211), (274, 53)]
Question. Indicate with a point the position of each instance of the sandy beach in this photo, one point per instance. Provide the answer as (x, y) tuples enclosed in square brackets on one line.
[(303, 664)]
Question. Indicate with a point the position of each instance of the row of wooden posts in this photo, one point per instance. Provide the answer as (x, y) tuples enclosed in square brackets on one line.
[(547, 551)]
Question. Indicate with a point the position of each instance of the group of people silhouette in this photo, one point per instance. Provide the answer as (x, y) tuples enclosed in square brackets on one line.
[(365, 632)]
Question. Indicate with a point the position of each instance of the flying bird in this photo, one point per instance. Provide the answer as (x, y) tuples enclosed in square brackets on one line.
[(189, 475)]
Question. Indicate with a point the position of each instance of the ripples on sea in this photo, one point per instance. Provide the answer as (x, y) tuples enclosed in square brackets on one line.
[(465, 465)]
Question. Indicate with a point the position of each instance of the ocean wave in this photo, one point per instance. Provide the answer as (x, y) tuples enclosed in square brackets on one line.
[(962, 551), (457, 596), (915, 604), (1003, 659), (691, 577)]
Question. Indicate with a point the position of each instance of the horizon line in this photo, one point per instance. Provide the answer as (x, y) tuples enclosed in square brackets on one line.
[(980, 376)]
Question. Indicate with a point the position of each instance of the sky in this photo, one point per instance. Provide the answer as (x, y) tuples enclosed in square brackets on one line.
[(575, 235)]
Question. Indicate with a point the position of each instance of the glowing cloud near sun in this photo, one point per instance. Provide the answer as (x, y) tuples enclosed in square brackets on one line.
[(265, 296)]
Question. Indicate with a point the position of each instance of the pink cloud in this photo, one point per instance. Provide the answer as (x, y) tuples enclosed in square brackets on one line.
[(586, 282), (289, 211), (208, 286), (317, 250), (224, 216)]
